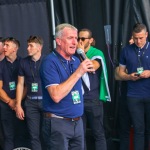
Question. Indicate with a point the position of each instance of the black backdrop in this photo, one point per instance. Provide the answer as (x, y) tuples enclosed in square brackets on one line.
[(22, 18)]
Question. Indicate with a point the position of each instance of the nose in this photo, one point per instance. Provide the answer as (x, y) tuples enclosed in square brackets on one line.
[(138, 40), (4, 46), (28, 48)]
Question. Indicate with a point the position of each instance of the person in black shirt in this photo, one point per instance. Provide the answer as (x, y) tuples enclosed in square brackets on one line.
[(93, 105), (2, 56), (29, 75), (8, 80)]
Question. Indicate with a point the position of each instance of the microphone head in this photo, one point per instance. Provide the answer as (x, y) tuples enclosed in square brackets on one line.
[(80, 51)]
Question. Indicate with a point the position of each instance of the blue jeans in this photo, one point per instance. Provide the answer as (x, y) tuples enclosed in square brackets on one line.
[(140, 114), (33, 114), (60, 134), (93, 115)]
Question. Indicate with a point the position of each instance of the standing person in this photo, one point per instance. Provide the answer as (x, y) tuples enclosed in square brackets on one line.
[(2, 55), (135, 59), (29, 76), (8, 81), (124, 115), (93, 106), (63, 102)]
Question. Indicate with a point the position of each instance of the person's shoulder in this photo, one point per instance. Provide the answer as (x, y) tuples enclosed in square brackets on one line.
[(2, 61), (75, 58), (129, 46), (96, 50), (49, 56)]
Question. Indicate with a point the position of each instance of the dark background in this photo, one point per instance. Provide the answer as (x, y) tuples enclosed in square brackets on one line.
[(22, 18)]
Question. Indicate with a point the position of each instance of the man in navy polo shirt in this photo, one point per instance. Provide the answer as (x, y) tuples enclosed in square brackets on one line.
[(29, 75), (63, 101), (136, 59), (8, 81)]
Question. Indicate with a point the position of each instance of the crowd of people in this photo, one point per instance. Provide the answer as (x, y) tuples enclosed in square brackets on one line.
[(56, 96)]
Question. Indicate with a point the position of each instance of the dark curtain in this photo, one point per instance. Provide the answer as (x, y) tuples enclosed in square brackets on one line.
[(95, 14), (20, 20)]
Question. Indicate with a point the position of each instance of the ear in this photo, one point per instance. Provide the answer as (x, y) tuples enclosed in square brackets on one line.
[(91, 40), (58, 41), (39, 47), (146, 34), (15, 48)]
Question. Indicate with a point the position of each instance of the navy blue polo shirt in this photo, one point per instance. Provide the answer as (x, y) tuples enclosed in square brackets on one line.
[(129, 58), (29, 69), (9, 74), (53, 72)]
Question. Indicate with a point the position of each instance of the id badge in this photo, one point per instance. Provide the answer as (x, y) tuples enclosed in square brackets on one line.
[(34, 87), (12, 85), (140, 70), (75, 97)]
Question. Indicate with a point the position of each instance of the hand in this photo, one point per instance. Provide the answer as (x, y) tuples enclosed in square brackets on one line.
[(19, 112), (145, 74), (134, 76), (86, 66), (80, 45), (12, 104)]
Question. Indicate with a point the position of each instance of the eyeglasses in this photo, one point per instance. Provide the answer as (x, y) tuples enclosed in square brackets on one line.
[(82, 38)]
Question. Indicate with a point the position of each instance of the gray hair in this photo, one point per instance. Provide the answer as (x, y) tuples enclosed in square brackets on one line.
[(59, 29)]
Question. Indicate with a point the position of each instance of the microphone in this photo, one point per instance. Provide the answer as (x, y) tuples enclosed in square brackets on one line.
[(81, 53)]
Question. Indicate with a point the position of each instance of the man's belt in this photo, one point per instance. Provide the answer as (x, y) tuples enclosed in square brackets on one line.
[(35, 97), (50, 115)]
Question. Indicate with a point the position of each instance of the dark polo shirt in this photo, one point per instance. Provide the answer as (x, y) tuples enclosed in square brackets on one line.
[(133, 57), (29, 69), (9, 74)]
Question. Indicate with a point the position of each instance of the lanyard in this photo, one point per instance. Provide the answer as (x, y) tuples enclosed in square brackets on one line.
[(140, 56), (36, 69)]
